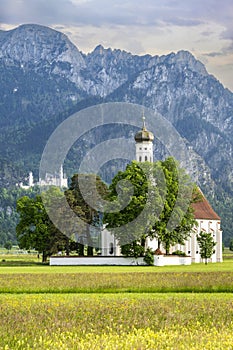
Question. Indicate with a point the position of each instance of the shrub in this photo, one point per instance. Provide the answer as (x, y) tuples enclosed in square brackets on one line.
[(179, 253), (149, 257)]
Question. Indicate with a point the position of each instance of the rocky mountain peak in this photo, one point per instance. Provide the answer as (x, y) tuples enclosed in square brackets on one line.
[(183, 60), (36, 44), (99, 50)]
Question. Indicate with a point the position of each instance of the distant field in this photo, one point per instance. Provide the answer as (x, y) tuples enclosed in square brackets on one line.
[(118, 282), (227, 254)]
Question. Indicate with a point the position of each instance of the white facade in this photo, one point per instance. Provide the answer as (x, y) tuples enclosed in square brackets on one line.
[(109, 246), (144, 151)]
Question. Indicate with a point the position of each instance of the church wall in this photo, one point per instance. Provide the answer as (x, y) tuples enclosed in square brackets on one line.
[(190, 248)]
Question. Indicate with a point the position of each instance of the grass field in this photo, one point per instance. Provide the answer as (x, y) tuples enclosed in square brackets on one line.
[(88, 307), (113, 321)]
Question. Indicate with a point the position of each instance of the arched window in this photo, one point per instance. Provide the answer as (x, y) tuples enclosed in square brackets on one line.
[(140, 158), (111, 248), (145, 158)]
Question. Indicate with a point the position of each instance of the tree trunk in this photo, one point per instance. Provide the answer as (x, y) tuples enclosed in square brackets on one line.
[(67, 247), (90, 251), (89, 242), (143, 244), (81, 249), (167, 248), (159, 244), (44, 257)]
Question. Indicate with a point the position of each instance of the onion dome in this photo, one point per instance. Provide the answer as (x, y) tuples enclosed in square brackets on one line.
[(144, 134)]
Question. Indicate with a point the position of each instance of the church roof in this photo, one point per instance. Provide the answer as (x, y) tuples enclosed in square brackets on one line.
[(203, 210), (144, 134)]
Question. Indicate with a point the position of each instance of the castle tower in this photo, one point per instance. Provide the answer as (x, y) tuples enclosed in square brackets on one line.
[(30, 179), (144, 144)]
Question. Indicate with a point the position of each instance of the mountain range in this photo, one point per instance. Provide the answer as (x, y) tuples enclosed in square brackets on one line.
[(44, 78)]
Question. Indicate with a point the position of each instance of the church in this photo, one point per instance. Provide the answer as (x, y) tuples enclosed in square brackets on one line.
[(206, 218)]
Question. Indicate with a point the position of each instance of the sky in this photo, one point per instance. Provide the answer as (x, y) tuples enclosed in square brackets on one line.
[(156, 27)]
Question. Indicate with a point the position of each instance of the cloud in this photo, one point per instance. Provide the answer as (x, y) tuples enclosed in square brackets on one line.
[(150, 26), (214, 54), (101, 12)]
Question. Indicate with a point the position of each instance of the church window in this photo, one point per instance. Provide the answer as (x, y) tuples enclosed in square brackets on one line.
[(145, 158), (140, 158), (111, 248)]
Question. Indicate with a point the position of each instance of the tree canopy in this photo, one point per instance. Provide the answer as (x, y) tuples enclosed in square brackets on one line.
[(84, 196), (160, 206), (206, 244), (35, 230), (177, 219), (8, 214)]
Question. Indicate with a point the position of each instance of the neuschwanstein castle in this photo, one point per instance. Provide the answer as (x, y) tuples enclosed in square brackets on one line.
[(57, 179)]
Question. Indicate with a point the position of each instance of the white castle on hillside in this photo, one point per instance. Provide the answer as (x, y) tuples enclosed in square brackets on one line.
[(57, 179)]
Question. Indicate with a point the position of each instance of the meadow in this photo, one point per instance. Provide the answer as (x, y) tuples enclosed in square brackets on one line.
[(116, 321), (88, 307)]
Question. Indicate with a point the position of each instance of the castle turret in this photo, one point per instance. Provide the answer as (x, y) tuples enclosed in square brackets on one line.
[(30, 179)]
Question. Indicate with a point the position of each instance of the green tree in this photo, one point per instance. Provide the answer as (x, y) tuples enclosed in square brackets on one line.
[(137, 201), (176, 221), (206, 244), (8, 214), (35, 229), (8, 245), (162, 196), (84, 201)]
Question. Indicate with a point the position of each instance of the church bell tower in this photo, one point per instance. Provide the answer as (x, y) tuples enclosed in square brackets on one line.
[(144, 144)]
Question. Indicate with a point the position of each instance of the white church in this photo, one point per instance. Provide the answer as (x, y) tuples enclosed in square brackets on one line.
[(207, 220)]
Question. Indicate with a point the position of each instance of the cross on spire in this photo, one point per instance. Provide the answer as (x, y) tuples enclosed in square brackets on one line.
[(143, 121)]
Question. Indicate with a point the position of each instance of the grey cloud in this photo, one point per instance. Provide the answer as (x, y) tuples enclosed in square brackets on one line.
[(214, 54), (227, 34), (99, 12)]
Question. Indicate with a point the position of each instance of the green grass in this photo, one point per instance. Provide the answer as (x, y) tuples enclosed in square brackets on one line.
[(39, 278), (10, 266), (16, 257)]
